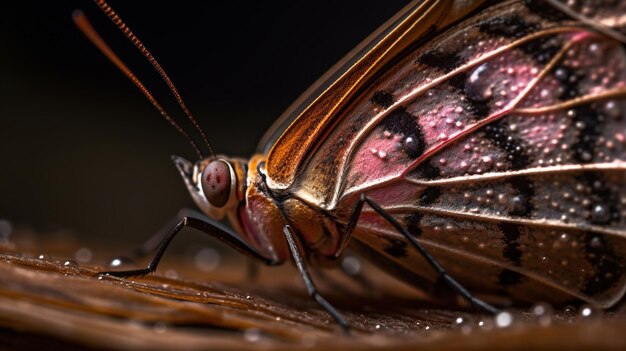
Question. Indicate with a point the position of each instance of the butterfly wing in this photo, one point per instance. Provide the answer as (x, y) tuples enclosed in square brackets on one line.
[(316, 114), (518, 173), (499, 143)]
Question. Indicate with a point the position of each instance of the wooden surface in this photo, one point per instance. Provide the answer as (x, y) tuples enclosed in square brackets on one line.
[(53, 302)]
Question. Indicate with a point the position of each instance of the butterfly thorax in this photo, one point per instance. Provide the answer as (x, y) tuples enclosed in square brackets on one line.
[(238, 190), (264, 212)]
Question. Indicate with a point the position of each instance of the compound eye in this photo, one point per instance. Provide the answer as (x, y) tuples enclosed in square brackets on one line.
[(216, 182)]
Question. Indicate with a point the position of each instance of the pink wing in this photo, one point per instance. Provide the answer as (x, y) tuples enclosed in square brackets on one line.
[(501, 145)]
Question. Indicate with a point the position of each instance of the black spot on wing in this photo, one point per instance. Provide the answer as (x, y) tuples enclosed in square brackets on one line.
[(541, 49), (508, 27), (413, 223), (604, 203), (511, 252), (513, 146), (589, 122), (458, 80), (396, 247), (382, 98), (608, 265), (543, 9), (400, 121), (443, 60), (425, 171), (608, 268), (429, 196), (515, 149), (569, 80)]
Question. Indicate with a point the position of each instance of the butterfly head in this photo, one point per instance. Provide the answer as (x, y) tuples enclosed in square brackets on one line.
[(212, 183)]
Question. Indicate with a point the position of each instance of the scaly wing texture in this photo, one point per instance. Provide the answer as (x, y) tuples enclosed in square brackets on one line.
[(501, 145), (292, 150)]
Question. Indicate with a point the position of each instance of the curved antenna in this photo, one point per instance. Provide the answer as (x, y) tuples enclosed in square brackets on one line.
[(133, 38), (85, 26)]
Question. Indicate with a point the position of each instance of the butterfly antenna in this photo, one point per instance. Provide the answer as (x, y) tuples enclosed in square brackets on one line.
[(85, 26), (133, 38)]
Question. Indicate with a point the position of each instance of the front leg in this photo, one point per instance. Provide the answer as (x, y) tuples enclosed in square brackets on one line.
[(308, 282), (206, 225)]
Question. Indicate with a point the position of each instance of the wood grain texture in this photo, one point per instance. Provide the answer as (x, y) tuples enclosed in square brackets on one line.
[(54, 303)]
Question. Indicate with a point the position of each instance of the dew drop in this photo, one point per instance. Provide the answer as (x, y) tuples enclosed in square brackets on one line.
[(71, 264), (504, 319), (351, 265), (595, 242), (612, 110), (412, 146), (83, 255), (486, 324), (560, 74), (600, 214), (207, 259), (585, 156), (252, 335), (42, 257), (543, 313), (116, 262), (464, 323), (519, 205), (586, 312)]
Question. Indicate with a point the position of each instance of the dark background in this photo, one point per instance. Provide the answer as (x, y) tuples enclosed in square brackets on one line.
[(84, 152)]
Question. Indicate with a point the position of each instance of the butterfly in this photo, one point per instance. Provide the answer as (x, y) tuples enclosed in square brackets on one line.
[(478, 144)]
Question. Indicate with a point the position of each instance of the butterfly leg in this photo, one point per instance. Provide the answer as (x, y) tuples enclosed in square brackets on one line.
[(206, 225), (308, 282), (444, 276), (150, 245), (155, 240)]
